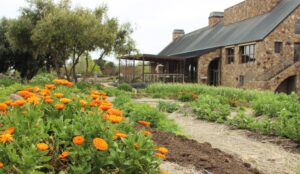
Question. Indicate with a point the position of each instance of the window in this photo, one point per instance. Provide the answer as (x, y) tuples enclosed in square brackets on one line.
[(278, 47), (297, 51), (297, 27), (247, 53), (242, 80), (230, 55)]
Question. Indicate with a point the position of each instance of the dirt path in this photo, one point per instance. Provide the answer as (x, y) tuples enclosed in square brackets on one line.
[(266, 157)]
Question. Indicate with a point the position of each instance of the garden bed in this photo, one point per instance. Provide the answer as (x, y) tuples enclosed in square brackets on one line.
[(202, 156)]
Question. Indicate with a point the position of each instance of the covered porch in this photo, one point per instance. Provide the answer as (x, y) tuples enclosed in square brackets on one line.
[(154, 68)]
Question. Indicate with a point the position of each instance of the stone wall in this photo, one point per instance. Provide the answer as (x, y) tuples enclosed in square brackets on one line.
[(212, 21), (248, 9), (203, 63), (267, 61)]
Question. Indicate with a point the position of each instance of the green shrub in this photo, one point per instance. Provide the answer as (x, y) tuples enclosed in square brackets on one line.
[(7, 81), (43, 78), (187, 96), (169, 107), (125, 87), (241, 121), (138, 111), (211, 108)]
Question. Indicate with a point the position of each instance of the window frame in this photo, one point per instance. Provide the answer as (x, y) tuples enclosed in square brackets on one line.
[(230, 55), (248, 54), (276, 49), (295, 57), (297, 27)]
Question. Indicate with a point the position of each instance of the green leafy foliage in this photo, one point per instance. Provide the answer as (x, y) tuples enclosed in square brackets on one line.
[(125, 87), (43, 78), (169, 107), (7, 81), (137, 111), (211, 108)]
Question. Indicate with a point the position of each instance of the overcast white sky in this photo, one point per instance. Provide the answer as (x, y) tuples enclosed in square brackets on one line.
[(153, 20)]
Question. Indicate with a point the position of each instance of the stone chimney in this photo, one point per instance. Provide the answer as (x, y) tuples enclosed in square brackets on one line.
[(215, 18), (177, 33)]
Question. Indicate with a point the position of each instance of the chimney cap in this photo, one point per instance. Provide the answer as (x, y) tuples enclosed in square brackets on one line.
[(216, 14), (181, 31)]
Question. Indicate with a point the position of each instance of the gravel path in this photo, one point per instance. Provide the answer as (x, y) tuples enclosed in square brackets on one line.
[(266, 157)]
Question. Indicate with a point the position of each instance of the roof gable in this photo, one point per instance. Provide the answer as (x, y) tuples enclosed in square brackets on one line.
[(253, 29)]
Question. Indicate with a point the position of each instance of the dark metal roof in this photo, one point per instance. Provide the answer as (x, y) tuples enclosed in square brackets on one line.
[(254, 29), (151, 57)]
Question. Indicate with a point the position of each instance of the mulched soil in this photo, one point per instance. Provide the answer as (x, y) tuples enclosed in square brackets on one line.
[(202, 156)]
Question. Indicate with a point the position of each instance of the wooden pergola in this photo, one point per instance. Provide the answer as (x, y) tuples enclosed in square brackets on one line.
[(154, 68)]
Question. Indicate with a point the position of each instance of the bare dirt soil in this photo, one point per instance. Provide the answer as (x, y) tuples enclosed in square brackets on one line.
[(202, 156), (266, 154)]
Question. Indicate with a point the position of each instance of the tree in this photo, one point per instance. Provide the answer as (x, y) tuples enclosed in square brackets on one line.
[(6, 53)]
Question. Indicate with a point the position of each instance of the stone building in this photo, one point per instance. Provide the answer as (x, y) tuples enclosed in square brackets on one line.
[(254, 44)]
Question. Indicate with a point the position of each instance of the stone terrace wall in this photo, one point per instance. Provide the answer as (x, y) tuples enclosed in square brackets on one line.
[(248, 9)]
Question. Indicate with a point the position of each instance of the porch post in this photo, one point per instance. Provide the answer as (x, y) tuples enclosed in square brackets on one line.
[(143, 70), (119, 70), (183, 71), (133, 71)]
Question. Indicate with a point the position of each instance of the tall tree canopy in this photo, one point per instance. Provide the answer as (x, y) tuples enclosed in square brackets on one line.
[(52, 35)]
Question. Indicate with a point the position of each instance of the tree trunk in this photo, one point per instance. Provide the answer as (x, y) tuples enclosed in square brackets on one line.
[(86, 66), (66, 70), (57, 68)]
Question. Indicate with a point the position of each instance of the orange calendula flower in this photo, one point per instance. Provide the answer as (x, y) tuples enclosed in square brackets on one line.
[(1, 164), (160, 155), (59, 95), (59, 106), (82, 109), (65, 100), (10, 130), (105, 107), (116, 112), (34, 100), (48, 100), (120, 135), (136, 146), (42, 146), (8, 102), (114, 118), (63, 155), (6, 138), (25, 94), (100, 144), (78, 140), (83, 102), (20, 102), (45, 92), (147, 133), (95, 103), (163, 150), (94, 96), (3, 107), (144, 123), (50, 86), (164, 173)]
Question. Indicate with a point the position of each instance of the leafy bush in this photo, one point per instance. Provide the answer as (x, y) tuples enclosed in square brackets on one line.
[(187, 96), (137, 111), (169, 107), (211, 108), (7, 81), (125, 87), (43, 78), (272, 105)]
